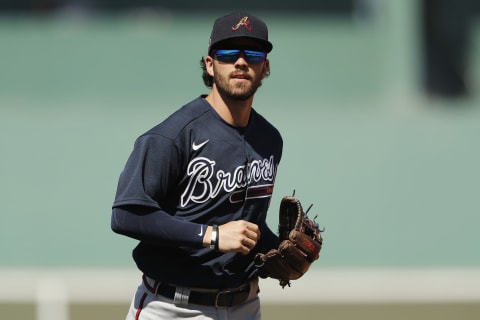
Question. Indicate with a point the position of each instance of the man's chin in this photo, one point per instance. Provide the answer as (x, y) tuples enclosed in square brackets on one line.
[(239, 95)]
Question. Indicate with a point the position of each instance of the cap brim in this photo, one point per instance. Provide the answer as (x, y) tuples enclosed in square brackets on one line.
[(266, 45)]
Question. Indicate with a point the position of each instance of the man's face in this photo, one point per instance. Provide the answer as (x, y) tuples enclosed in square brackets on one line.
[(239, 79)]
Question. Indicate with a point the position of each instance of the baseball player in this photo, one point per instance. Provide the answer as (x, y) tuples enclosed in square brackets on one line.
[(196, 188)]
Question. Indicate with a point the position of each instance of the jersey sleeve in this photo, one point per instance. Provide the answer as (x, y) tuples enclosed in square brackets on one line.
[(150, 172), (142, 209), (156, 227)]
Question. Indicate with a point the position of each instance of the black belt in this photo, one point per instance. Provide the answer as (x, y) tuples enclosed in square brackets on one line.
[(219, 299)]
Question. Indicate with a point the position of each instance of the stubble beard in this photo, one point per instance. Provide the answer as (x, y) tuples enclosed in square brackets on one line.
[(236, 91)]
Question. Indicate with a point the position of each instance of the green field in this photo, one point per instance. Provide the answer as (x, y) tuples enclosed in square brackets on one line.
[(448, 311)]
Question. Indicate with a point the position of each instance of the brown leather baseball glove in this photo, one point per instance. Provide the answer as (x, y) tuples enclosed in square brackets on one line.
[(300, 244)]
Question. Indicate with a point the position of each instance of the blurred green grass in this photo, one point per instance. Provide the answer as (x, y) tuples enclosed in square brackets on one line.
[(396, 311)]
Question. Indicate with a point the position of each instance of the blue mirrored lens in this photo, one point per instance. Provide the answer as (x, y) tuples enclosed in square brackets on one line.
[(254, 56), (227, 55), (251, 56)]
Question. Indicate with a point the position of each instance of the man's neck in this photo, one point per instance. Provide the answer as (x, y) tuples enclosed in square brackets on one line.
[(236, 113)]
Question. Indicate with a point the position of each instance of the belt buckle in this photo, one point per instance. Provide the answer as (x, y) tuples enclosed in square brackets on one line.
[(224, 305)]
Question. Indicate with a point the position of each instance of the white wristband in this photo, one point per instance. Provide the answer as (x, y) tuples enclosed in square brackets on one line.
[(213, 238)]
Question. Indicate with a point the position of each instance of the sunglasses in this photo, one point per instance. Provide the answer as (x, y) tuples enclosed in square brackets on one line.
[(232, 55)]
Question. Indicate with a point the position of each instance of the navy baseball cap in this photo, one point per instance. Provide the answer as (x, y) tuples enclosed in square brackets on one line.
[(239, 25)]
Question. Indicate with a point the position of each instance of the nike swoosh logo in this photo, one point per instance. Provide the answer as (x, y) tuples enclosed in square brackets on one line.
[(201, 231), (196, 147)]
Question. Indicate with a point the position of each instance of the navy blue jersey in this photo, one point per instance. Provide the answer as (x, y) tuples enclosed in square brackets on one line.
[(190, 171)]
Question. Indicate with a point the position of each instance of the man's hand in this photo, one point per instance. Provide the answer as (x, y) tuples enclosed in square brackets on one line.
[(235, 236)]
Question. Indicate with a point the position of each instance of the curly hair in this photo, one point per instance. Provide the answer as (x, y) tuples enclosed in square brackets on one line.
[(207, 78)]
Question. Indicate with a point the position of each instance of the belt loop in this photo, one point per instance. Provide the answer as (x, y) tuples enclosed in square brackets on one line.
[(182, 295), (155, 286), (254, 288)]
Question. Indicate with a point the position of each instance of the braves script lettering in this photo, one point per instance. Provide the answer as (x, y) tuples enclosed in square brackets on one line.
[(205, 183)]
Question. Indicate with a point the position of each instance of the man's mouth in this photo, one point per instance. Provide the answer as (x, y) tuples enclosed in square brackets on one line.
[(241, 76)]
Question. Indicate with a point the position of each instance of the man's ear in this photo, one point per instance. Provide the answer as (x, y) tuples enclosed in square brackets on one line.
[(266, 69), (209, 65)]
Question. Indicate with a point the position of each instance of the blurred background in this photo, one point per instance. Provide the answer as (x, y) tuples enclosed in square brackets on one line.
[(378, 103)]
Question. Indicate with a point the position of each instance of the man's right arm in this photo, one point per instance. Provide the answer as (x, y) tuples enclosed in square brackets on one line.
[(156, 226)]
